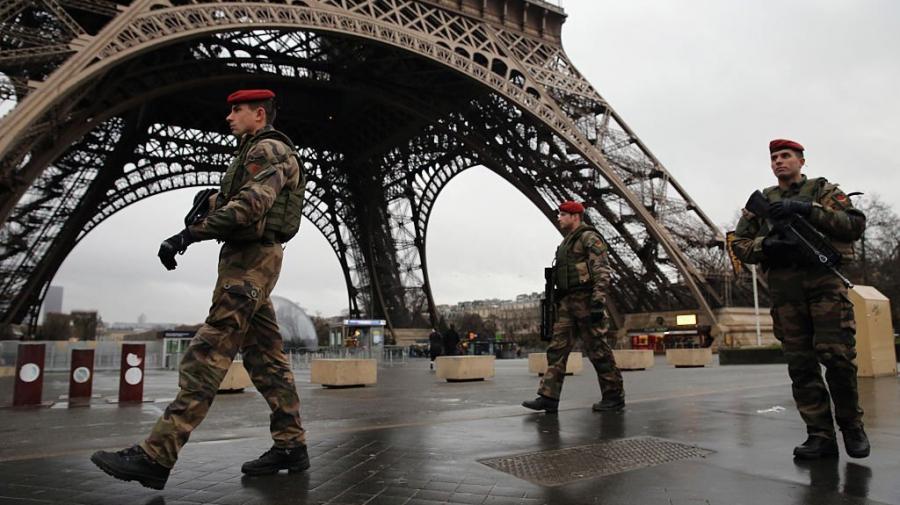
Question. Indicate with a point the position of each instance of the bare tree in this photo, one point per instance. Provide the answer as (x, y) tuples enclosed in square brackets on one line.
[(878, 252)]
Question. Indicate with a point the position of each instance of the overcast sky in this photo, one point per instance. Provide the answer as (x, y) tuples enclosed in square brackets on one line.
[(704, 83)]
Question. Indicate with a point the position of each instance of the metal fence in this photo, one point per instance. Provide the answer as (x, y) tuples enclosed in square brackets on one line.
[(108, 355), (58, 354), (387, 355)]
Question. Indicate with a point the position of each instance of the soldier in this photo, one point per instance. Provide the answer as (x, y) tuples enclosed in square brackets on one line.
[(581, 278), (812, 316), (257, 208)]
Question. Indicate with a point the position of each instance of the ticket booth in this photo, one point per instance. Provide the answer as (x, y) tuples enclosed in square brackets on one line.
[(175, 343), (362, 334)]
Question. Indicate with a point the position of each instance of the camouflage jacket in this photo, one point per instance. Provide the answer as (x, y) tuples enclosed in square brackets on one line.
[(264, 168), (832, 214), (588, 261)]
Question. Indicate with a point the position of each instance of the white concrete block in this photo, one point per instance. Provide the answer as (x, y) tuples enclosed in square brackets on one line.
[(236, 379), (537, 363), (685, 358), (633, 359), (343, 372), (464, 368)]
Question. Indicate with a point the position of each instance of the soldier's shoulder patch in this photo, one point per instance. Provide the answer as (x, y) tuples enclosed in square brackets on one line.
[(840, 200), (593, 242), (598, 247), (253, 167), (255, 161)]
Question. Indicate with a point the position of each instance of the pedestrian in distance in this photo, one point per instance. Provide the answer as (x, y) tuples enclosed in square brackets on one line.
[(256, 209), (812, 315), (451, 342), (435, 346), (581, 281)]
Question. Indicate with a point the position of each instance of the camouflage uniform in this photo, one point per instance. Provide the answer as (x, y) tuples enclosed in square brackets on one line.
[(812, 316), (590, 261), (242, 317)]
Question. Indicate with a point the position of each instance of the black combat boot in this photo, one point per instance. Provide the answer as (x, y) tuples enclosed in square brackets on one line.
[(856, 443), (295, 459), (610, 404), (548, 405), (132, 464), (816, 447)]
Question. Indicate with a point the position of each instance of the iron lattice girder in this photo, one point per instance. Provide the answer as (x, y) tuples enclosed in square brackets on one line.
[(532, 74), (34, 54), (101, 7), (36, 241)]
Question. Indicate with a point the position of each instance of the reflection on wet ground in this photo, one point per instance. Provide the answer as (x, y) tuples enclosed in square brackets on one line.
[(415, 440)]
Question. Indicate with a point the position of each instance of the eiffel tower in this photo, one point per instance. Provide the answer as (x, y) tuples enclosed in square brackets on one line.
[(113, 102)]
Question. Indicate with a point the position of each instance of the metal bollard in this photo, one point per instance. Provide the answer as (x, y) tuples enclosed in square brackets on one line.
[(81, 376), (131, 374), (29, 375)]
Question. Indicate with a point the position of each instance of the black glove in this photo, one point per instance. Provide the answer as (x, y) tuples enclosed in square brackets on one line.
[(176, 244), (203, 196), (780, 250), (786, 208)]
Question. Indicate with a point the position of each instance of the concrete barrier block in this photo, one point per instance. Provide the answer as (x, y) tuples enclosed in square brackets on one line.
[(537, 363), (688, 358), (874, 332), (464, 368), (343, 372), (633, 359), (236, 379)]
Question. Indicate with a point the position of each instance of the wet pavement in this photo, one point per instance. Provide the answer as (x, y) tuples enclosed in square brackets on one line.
[(715, 435)]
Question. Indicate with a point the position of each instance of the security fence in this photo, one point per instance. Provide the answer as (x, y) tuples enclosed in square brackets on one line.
[(58, 353), (387, 355), (108, 355)]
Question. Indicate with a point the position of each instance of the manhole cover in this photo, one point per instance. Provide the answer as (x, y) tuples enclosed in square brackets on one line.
[(557, 467)]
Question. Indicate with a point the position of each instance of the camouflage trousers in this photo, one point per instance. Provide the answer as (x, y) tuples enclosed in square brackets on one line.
[(241, 318), (573, 320), (813, 319)]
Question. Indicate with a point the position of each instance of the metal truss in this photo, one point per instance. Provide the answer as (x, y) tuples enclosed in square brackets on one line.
[(388, 99)]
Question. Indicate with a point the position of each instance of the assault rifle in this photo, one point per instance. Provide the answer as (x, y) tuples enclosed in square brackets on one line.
[(200, 208), (548, 305), (815, 247)]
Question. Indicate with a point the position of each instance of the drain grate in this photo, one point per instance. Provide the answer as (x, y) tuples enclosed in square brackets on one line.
[(557, 467)]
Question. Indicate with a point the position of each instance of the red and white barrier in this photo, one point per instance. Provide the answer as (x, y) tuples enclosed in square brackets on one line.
[(29, 375), (81, 376), (131, 376)]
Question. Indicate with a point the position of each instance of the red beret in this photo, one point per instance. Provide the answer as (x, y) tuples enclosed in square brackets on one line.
[(571, 207), (250, 95), (779, 144)]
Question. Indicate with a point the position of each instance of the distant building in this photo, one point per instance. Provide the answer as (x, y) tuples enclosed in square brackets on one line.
[(84, 325), (521, 316), (56, 326), (53, 300)]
